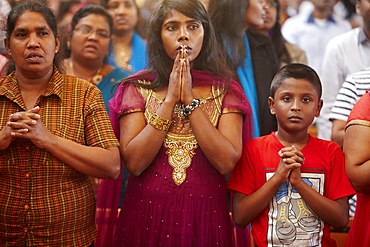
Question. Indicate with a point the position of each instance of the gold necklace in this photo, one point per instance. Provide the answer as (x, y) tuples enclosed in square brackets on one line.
[(123, 60), (95, 79)]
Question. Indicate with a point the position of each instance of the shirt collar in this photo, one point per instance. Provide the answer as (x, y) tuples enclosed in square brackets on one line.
[(362, 38), (10, 87), (311, 19)]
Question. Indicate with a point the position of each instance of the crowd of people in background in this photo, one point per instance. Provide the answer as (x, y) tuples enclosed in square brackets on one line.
[(196, 122)]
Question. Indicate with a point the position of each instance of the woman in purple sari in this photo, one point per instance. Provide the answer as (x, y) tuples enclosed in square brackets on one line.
[(181, 125)]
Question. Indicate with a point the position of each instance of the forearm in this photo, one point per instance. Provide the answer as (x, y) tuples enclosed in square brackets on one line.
[(222, 148), (332, 212), (5, 138), (337, 134), (141, 142), (248, 208), (93, 161), (337, 137), (142, 150)]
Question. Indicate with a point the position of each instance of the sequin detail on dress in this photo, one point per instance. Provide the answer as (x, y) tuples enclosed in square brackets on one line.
[(180, 140), (180, 152)]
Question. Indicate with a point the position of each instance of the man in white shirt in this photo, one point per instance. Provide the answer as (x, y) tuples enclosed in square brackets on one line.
[(311, 33), (345, 54)]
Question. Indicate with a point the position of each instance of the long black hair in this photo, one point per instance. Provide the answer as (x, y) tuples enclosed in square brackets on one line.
[(211, 58), (227, 17), (278, 39)]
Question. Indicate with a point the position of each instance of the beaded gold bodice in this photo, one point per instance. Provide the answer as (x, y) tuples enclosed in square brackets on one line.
[(180, 140)]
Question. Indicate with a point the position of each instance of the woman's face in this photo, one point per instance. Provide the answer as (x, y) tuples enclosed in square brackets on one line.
[(124, 14), (256, 13), (90, 39), (270, 19), (178, 30), (32, 44)]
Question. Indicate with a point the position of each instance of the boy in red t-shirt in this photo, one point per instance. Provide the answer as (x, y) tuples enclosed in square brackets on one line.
[(290, 185)]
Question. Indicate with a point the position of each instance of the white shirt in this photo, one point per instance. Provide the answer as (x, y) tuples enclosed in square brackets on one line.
[(345, 54), (312, 35)]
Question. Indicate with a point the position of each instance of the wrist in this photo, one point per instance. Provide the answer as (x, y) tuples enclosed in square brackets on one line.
[(159, 123), (189, 108)]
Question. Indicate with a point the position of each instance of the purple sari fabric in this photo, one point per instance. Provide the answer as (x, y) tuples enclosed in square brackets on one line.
[(157, 212)]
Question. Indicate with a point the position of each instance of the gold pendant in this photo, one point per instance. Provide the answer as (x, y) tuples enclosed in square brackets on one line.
[(96, 79), (180, 153)]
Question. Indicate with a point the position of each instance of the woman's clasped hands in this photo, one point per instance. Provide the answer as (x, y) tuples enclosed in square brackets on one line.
[(180, 82), (24, 124)]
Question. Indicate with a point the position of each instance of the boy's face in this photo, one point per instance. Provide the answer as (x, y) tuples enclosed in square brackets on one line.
[(296, 103)]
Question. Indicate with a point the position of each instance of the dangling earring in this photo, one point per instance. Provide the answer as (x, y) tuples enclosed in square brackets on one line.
[(68, 45)]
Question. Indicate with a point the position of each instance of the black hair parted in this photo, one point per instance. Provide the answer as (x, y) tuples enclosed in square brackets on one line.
[(296, 71), (211, 57)]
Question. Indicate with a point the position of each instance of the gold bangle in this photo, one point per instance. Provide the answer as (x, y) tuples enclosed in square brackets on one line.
[(159, 123)]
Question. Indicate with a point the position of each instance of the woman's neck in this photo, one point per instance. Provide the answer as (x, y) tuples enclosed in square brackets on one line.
[(123, 38), (34, 81), (32, 88), (122, 51), (92, 73)]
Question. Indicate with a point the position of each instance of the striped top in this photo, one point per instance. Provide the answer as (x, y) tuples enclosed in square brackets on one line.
[(353, 88), (43, 201)]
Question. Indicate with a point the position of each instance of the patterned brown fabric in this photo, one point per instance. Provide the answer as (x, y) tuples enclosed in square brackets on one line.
[(43, 201)]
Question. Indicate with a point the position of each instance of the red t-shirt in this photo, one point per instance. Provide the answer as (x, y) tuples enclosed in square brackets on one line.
[(288, 219), (359, 235)]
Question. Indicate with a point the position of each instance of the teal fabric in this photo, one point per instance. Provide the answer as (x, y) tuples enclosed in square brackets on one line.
[(246, 77), (139, 57), (108, 85)]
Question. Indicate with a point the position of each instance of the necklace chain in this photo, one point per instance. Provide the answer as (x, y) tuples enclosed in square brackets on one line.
[(95, 79), (123, 60)]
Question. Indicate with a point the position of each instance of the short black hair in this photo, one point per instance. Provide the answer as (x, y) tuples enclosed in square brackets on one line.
[(296, 71)]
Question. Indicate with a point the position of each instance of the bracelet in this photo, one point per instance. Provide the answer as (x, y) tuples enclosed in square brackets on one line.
[(190, 108), (159, 123)]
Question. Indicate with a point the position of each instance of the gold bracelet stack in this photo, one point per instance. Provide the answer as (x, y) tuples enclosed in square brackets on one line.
[(160, 123)]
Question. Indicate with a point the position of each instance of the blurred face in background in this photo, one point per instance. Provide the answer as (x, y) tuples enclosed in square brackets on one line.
[(324, 5), (363, 9), (125, 15), (256, 13), (271, 17), (90, 39)]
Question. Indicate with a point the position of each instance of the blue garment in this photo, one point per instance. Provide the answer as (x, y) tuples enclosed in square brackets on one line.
[(109, 84), (246, 77), (139, 57)]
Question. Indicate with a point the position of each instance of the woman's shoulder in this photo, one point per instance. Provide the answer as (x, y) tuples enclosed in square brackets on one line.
[(293, 48), (297, 54)]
